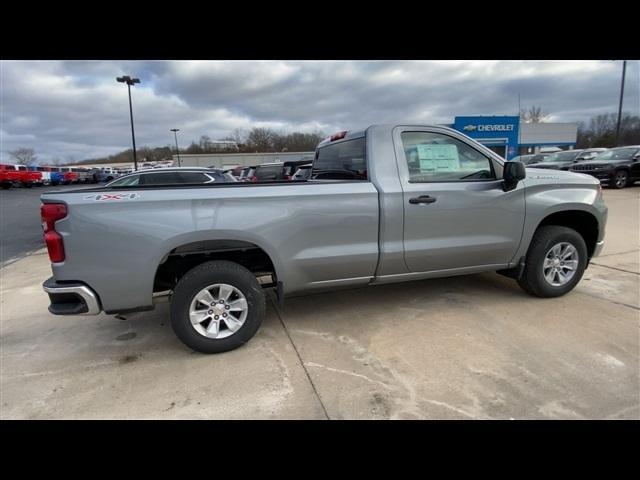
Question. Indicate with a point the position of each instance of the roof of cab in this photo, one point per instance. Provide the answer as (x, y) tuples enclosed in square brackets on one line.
[(361, 132)]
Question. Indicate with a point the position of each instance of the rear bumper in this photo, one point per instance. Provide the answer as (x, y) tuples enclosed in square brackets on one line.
[(71, 298)]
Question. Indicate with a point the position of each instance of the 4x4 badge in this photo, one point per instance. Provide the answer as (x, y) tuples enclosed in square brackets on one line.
[(112, 196)]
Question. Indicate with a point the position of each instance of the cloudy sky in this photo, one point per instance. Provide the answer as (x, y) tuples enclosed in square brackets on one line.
[(76, 109)]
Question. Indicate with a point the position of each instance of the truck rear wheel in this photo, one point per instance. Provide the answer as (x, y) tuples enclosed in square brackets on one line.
[(555, 262), (217, 306)]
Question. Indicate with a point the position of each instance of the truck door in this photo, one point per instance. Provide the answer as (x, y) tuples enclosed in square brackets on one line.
[(456, 213)]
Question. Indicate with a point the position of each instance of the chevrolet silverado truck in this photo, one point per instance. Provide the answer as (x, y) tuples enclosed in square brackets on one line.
[(390, 203)]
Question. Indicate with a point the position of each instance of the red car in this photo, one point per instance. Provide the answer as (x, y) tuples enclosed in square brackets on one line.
[(9, 175), (69, 176), (28, 178)]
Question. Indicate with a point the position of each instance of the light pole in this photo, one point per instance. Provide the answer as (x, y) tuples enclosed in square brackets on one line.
[(624, 70), (175, 134), (130, 81)]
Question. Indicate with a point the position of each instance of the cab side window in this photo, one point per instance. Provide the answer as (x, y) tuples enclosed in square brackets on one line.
[(435, 157)]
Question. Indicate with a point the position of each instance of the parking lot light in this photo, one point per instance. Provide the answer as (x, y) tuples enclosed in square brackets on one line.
[(175, 134), (624, 70), (131, 81)]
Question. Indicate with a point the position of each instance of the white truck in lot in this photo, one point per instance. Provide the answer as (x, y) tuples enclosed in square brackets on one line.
[(390, 203)]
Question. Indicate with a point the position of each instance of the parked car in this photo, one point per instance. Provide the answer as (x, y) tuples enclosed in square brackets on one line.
[(525, 159), (9, 175), (84, 174), (275, 171), (235, 171), (303, 172), (432, 202), (45, 178), (590, 154), (538, 157), (29, 178), (107, 174), (558, 160), (246, 173), (567, 158), (172, 176), (56, 177), (69, 175), (617, 167)]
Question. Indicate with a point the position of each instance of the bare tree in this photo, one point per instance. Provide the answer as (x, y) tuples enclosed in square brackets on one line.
[(261, 139), (533, 114), (238, 136), (205, 143), (601, 131), (24, 156)]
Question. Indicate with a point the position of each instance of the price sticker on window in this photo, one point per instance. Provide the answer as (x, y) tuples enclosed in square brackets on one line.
[(438, 158)]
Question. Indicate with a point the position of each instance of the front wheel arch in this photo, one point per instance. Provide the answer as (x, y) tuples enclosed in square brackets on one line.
[(585, 223)]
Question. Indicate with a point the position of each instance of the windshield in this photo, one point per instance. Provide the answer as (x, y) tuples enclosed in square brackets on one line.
[(562, 156), (617, 154)]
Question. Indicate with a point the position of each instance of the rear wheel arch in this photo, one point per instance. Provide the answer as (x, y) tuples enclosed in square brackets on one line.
[(182, 258)]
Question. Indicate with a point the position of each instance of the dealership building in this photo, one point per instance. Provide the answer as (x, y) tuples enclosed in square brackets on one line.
[(508, 137)]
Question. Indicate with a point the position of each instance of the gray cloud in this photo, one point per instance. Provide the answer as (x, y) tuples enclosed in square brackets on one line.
[(76, 108)]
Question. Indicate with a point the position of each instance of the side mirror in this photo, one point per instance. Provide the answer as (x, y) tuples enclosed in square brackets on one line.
[(513, 173)]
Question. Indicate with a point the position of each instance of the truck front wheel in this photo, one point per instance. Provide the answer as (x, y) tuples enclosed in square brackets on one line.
[(217, 306), (555, 262)]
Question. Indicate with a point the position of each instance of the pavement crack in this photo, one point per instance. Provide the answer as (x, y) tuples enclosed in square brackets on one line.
[(619, 253), (609, 300), (346, 372), (615, 268), (302, 364)]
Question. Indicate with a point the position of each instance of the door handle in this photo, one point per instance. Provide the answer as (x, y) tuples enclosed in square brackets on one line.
[(422, 199)]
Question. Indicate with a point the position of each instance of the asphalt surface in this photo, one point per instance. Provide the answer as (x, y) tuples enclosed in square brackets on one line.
[(20, 220)]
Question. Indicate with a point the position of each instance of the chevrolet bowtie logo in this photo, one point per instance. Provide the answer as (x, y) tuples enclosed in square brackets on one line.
[(470, 128)]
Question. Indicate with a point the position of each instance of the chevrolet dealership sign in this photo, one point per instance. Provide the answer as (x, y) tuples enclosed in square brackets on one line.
[(488, 128), (492, 131)]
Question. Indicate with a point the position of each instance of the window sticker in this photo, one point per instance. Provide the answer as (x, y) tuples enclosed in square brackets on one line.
[(438, 158)]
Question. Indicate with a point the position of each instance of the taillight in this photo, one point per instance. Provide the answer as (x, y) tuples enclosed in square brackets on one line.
[(50, 213), (254, 179)]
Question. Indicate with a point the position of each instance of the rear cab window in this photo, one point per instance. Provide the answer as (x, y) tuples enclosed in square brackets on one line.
[(268, 172), (345, 160)]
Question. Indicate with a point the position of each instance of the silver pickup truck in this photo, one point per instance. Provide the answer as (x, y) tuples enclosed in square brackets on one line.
[(390, 203)]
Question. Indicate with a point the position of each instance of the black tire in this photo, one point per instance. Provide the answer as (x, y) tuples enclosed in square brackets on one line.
[(533, 280), (620, 179), (6, 186), (198, 278)]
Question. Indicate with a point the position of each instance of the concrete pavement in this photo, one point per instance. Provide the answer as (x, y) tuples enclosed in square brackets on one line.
[(461, 347)]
